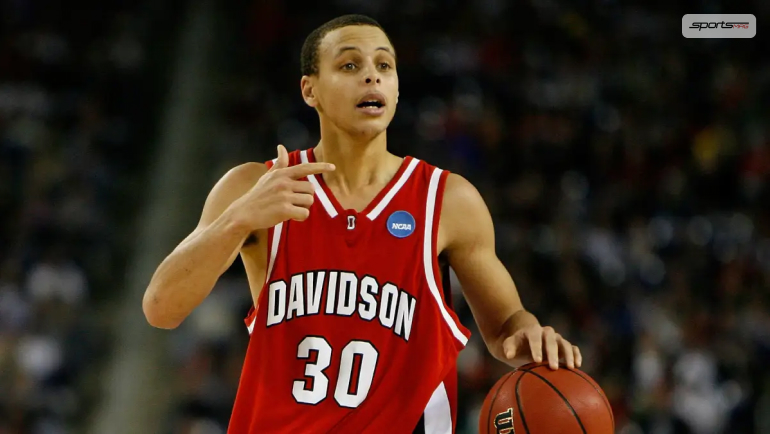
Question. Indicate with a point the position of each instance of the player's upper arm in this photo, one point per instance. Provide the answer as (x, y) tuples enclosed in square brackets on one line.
[(234, 184), (466, 226)]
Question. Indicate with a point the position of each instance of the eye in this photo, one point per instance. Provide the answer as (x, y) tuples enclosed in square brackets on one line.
[(349, 66), (385, 65)]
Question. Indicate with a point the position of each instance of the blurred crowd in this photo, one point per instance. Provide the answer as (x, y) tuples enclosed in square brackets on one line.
[(626, 169), (68, 158)]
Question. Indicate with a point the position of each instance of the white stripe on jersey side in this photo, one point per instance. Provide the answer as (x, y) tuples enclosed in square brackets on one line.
[(428, 255), (396, 187), (438, 413), (273, 252), (319, 191)]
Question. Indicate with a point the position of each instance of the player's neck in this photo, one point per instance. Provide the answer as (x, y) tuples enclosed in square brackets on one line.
[(358, 164)]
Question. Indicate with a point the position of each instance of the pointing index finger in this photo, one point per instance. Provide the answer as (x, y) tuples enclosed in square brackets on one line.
[(305, 169)]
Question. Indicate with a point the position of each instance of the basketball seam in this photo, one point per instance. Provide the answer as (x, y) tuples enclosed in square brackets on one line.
[(604, 398), (564, 398), (494, 397), (518, 403)]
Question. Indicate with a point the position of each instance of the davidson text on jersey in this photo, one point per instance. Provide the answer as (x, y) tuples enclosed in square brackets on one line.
[(343, 293)]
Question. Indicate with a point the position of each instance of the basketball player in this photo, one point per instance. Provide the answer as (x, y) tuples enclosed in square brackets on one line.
[(345, 247)]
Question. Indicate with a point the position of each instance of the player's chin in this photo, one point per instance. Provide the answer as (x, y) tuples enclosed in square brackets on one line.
[(371, 130), (371, 126)]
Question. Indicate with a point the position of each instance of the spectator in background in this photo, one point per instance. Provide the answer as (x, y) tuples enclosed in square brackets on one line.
[(64, 120)]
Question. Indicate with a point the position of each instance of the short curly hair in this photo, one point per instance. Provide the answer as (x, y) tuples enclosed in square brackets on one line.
[(309, 56)]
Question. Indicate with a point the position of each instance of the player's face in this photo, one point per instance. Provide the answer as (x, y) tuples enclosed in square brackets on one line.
[(356, 88)]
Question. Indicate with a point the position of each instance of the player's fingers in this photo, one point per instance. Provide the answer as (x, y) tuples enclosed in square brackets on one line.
[(569, 355), (535, 339), (302, 187), (303, 170), (282, 160), (298, 213), (302, 199), (578, 356), (551, 347), (511, 345)]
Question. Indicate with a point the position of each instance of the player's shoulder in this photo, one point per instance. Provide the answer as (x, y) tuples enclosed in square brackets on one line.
[(244, 174), (234, 184), (461, 200), (456, 188), (461, 194), (465, 217)]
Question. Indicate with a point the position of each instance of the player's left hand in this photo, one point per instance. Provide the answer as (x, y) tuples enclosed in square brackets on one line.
[(528, 343)]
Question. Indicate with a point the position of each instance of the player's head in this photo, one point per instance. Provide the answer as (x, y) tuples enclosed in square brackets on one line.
[(342, 62)]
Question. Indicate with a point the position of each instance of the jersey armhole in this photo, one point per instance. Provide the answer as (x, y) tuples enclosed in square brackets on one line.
[(251, 316), (439, 202), (434, 204), (273, 242)]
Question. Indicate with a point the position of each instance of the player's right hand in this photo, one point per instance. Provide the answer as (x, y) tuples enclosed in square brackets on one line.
[(280, 194)]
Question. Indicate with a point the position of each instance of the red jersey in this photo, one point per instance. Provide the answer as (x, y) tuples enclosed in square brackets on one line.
[(352, 332)]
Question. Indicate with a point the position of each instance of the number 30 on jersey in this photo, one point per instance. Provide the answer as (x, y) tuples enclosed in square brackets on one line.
[(351, 387)]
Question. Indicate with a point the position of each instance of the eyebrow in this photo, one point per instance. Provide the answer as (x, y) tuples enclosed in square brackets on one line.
[(351, 48)]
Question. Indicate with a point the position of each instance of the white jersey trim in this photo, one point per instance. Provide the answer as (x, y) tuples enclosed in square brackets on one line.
[(438, 412), (250, 327), (319, 191), (429, 255), (273, 253), (393, 190)]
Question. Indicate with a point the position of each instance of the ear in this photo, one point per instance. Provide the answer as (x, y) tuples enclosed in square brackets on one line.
[(307, 86)]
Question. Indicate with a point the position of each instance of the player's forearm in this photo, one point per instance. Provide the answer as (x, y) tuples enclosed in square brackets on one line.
[(187, 276)]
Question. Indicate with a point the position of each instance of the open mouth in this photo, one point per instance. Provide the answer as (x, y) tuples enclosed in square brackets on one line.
[(372, 103)]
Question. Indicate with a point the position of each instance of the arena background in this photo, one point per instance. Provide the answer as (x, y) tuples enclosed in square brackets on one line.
[(626, 168)]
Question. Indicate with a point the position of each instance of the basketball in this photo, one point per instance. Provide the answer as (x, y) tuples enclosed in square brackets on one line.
[(534, 399)]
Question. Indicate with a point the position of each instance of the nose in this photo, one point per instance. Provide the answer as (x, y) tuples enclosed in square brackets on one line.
[(372, 75)]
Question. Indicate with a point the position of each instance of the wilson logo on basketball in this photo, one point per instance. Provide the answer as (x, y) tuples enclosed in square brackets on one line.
[(504, 422)]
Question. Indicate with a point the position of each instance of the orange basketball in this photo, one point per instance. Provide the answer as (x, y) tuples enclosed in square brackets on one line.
[(537, 400)]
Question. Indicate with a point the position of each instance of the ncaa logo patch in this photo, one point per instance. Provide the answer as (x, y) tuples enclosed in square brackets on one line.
[(401, 224)]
